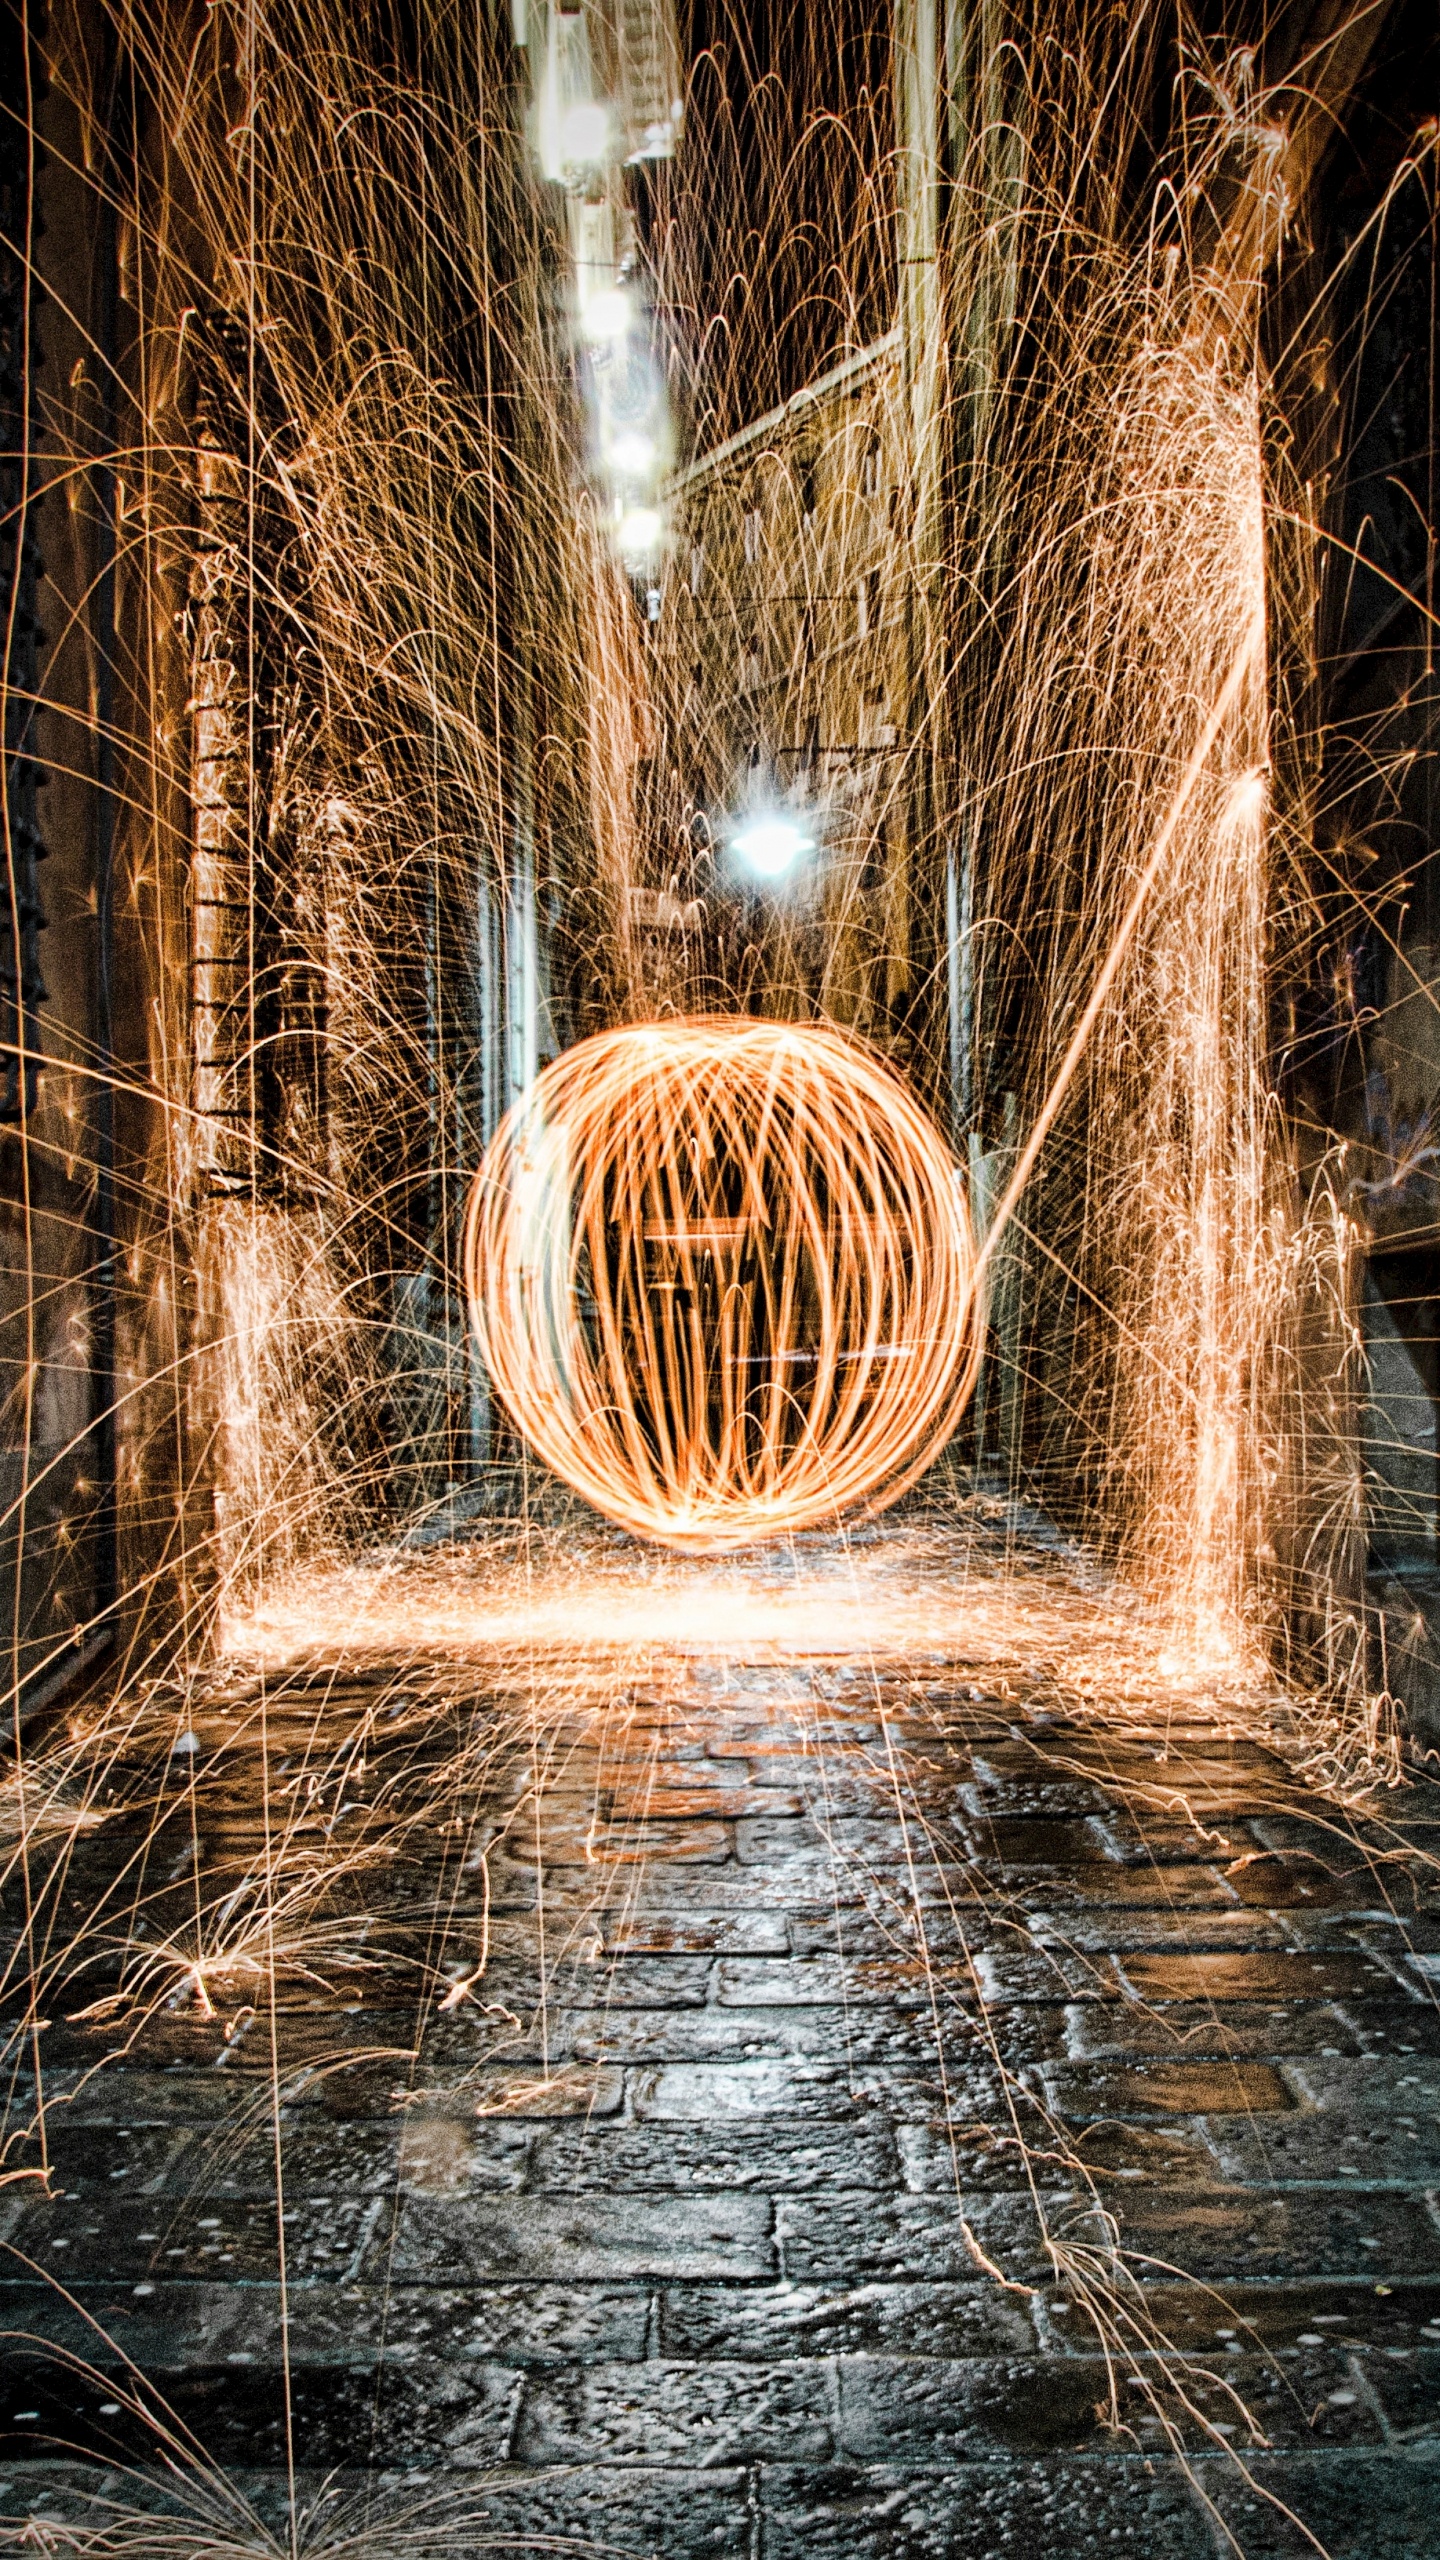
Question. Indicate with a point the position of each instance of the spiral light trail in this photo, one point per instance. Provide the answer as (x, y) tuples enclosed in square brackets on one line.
[(723, 1278)]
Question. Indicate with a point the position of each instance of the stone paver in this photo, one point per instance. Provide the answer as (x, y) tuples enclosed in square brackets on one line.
[(709, 2106)]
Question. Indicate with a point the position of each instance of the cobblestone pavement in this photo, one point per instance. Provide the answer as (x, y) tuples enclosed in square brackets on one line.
[(659, 2076)]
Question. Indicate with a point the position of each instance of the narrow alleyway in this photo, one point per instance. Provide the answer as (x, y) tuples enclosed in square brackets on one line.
[(665, 2045)]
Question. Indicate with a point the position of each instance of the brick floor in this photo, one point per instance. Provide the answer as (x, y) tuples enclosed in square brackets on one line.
[(661, 2065)]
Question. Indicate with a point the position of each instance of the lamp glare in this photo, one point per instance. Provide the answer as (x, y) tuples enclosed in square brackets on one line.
[(640, 530), (606, 315), (770, 845), (632, 454), (584, 135)]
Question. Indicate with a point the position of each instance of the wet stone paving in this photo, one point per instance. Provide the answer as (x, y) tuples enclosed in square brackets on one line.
[(799, 2111)]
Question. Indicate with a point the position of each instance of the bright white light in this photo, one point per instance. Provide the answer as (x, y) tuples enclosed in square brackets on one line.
[(770, 845), (640, 530), (632, 453), (584, 135), (607, 314), (1248, 795)]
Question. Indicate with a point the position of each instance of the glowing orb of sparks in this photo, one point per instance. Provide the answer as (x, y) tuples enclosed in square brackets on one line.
[(722, 1276)]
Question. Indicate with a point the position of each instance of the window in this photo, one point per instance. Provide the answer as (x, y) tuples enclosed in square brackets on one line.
[(752, 533), (806, 485), (867, 597), (871, 470), (750, 663), (877, 729)]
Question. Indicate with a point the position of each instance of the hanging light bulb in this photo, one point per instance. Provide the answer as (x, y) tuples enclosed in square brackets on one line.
[(584, 135), (640, 531), (632, 454), (770, 844), (606, 315)]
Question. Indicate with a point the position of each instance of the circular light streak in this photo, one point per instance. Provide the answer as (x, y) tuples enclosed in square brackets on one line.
[(722, 1276)]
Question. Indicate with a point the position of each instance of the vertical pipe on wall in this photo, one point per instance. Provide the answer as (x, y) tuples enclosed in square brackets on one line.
[(521, 971), (960, 983), (918, 86), (952, 993), (104, 481), (922, 360), (484, 1114)]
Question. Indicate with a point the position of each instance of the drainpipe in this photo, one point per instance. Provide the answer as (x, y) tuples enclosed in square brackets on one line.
[(918, 210), (105, 1274), (918, 97), (479, 1128), (521, 971), (960, 983)]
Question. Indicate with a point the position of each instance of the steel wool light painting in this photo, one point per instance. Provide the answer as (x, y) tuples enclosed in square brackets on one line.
[(723, 1278)]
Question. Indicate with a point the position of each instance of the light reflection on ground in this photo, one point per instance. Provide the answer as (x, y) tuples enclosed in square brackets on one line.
[(922, 1593)]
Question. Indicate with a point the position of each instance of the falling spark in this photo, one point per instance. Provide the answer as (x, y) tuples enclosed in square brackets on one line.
[(311, 272)]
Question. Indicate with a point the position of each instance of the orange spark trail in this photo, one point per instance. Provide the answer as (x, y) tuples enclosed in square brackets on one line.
[(1247, 655)]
